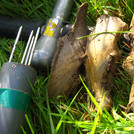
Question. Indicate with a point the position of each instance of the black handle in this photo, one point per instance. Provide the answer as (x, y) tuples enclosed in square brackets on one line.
[(9, 26)]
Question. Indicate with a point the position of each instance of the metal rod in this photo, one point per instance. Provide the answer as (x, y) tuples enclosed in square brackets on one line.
[(35, 41), (29, 39), (31, 44), (15, 43)]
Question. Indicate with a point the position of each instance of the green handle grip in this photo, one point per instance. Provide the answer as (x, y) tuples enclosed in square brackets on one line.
[(14, 99)]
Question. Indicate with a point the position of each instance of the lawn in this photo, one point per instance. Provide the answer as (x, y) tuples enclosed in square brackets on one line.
[(72, 116)]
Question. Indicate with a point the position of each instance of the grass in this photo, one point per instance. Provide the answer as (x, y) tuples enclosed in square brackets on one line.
[(72, 116)]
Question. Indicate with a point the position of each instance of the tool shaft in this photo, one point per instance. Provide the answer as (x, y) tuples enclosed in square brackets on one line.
[(47, 43)]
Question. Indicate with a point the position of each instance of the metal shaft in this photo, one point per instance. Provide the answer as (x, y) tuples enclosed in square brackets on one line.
[(15, 44), (35, 41), (30, 47), (28, 43), (47, 43)]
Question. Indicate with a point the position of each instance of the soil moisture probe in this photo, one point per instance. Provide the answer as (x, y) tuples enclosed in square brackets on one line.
[(15, 87)]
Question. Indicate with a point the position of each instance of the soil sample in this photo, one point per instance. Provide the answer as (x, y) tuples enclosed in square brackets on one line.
[(102, 56), (128, 65), (66, 64)]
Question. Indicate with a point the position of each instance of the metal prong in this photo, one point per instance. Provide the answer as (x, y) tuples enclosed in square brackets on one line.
[(30, 47), (15, 43), (28, 42), (35, 41)]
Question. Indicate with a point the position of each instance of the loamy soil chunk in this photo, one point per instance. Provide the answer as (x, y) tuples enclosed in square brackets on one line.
[(128, 65), (66, 64), (103, 54)]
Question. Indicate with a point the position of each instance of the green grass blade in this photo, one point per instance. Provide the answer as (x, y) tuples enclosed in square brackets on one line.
[(91, 96), (99, 112), (61, 120), (128, 7), (49, 113), (29, 124), (110, 32), (24, 132)]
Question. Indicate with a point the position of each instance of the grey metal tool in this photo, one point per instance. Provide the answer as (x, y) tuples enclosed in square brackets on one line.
[(46, 45), (15, 87)]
